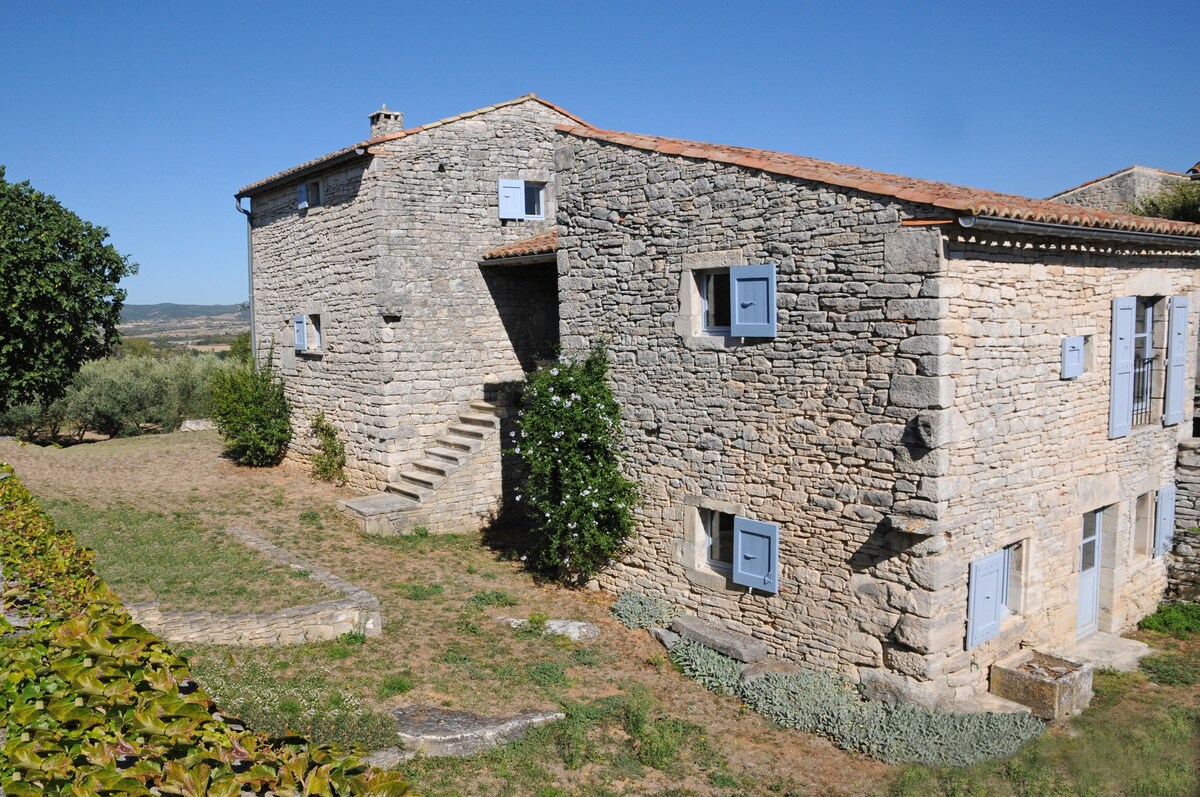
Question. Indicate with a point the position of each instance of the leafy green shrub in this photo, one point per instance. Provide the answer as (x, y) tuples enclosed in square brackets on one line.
[(713, 670), (580, 505), (828, 704), (635, 610), (1171, 669), (1179, 201), (93, 703), (329, 463), (1180, 619), (252, 414)]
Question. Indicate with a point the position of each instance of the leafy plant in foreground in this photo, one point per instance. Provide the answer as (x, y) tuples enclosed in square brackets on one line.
[(252, 414), (329, 462), (1180, 619)]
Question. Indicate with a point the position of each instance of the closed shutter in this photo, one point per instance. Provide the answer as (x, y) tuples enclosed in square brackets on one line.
[(1177, 336), (302, 197), (752, 301), (1164, 520), (1120, 399), (756, 554), (301, 332), (512, 199), (1072, 357), (985, 597)]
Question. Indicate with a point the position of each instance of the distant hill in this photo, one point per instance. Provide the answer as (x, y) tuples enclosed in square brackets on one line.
[(133, 313)]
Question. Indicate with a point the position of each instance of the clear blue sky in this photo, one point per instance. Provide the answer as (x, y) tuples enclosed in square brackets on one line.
[(147, 117)]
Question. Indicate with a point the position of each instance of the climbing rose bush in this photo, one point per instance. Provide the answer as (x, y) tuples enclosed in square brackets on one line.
[(580, 504)]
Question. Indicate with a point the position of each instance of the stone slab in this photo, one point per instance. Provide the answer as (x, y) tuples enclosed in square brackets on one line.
[(1112, 652), (666, 636), (575, 630), (440, 732), (197, 425), (732, 644), (752, 672)]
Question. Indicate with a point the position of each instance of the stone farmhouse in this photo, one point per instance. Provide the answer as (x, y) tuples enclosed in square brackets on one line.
[(890, 427)]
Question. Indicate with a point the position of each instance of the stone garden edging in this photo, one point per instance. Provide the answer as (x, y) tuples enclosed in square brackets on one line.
[(356, 612)]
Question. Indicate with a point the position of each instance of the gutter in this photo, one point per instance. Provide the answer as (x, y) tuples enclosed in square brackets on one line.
[(250, 276), (1070, 231)]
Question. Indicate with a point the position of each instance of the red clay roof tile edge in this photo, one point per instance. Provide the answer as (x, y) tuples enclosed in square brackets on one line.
[(543, 243)]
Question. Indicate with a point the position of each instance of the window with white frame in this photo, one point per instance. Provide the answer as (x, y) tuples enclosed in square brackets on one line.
[(306, 330), (715, 307), (522, 200), (995, 590), (718, 532)]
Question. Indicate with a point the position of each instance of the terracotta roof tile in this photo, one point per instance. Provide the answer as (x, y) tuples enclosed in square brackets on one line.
[(541, 244), (968, 201), (346, 152)]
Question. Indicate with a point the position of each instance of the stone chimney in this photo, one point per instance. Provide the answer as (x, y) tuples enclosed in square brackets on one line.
[(384, 121)]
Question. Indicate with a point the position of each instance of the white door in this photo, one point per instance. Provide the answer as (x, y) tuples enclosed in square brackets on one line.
[(1089, 574)]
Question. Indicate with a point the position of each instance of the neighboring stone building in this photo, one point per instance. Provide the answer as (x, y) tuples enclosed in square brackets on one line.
[(366, 286), (873, 418), (1117, 191), (903, 410)]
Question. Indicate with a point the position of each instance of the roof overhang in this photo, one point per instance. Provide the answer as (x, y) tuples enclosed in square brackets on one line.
[(345, 156), (547, 258), (1041, 228)]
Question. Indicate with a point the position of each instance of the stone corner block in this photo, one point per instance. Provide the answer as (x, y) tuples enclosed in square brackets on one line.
[(922, 392), (732, 644)]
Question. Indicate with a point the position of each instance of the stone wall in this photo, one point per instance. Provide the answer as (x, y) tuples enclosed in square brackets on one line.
[(413, 328), (1033, 455), (804, 430), (1116, 191), (1185, 563), (356, 612)]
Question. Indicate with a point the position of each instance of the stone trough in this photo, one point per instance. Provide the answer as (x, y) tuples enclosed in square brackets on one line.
[(1052, 687)]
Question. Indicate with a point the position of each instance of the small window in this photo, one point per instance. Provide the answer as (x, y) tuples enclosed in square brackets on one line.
[(307, 332), (1015, 570), (1143, 524), (314, 331), (309, 195), (995, 590), (520, 199), (535, 194), (714, 300), (718, 528)]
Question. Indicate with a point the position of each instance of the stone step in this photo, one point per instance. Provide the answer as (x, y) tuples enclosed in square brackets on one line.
[(721, 639), (486, 406), (422, 478), (410, 490), (451, 456), (373, 505), (459, 443), (438, 467), (468, 430), (480, 419)]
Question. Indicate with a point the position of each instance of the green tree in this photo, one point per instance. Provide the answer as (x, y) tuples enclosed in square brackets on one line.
[(59, 300), (1179, 201)]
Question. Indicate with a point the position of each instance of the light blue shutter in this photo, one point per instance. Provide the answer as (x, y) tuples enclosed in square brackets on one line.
[(1164, 520), (1120, 399), (752, 301), (301, 332), (985, 597), (756, 554), (512, 199), (1177, 336), (302, 200), (1072, 357)]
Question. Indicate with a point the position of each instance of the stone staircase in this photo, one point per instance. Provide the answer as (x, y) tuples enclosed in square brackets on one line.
[(417, 484)]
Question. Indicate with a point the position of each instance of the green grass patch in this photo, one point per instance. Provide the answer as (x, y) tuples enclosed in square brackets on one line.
[(174, 559), (397, 684), (420, 592), (491, 597), (1172, 669), (1180, 619)]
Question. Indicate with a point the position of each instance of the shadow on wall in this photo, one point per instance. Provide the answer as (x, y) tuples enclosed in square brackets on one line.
[(507, 532), (526, 299)]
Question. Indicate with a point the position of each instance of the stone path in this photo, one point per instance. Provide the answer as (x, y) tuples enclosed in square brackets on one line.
[(356, 612)]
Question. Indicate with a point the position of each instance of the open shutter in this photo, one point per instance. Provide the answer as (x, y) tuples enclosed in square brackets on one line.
[(1120, 399), (756, 554), (1072, 357), (985, 597), (1177, 336), (752, 301), (1164, 520), (301, 332), (302, 196), (512, 199)]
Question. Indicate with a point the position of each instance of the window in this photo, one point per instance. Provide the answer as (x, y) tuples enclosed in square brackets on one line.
[(306, 330), (995, 590), (1143, 524), (522, 199), (714, 301), (309, 195), (718, 530), (1164, 520), (1149, 361)]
